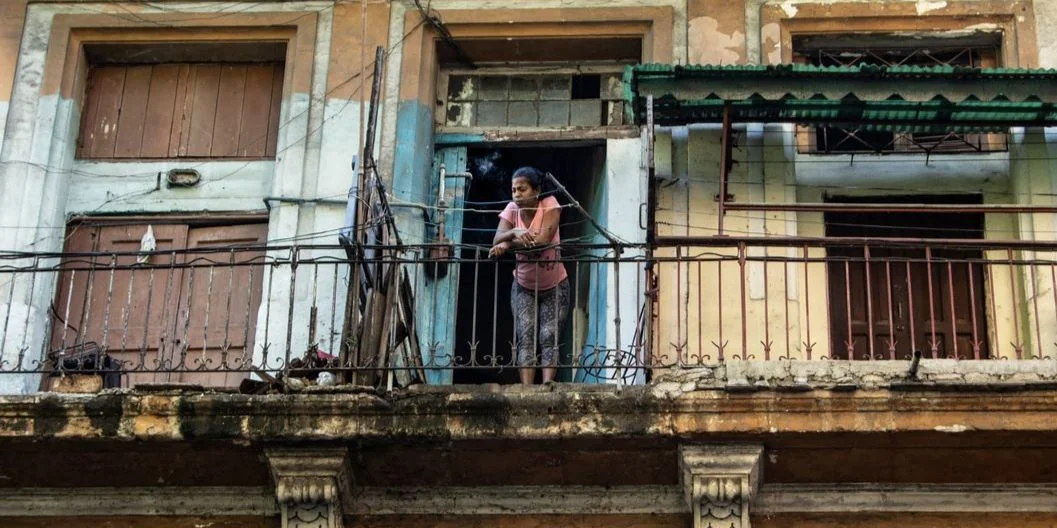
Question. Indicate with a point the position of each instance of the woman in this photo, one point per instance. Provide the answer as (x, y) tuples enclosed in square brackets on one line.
[(539, 296)]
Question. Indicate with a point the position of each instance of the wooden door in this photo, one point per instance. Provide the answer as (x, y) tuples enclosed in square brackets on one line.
[(218, 304), (868, 298), (901, 303), (904, 298), (127, 312), (950, 322), (165, 316)]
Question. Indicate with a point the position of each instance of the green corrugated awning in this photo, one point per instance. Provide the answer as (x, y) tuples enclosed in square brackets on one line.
[(879, 97)]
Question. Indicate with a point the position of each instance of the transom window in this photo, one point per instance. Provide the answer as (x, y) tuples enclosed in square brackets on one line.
[(979, 51), (554, 99), (210, 101)]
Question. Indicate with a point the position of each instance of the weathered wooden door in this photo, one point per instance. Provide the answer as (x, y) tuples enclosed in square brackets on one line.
[(893, 302), (126, 312), (164, 316), (438, 293), (888, 300), (217, 311)]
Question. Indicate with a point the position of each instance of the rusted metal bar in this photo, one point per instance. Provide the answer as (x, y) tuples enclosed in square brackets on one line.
[(891, 320), (185, 341), (125, 311), (1018, 346), (719, 311), (766, 314), (808, 344), (209, 305), (869, 305), (700, 312), (651, 175), (744, 304), (785, 241), (910, 308), (972, 310), (807, 207), (991, 298), (850, 343), (227, 309), (785, 303), (724, 168), (933, 345), (954, 313), (169, 291), (1035, 305)]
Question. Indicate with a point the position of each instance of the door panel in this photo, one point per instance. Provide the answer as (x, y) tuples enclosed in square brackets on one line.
[(917, 299), (218, 305), (884, 302), (127, 312), (164, 317)]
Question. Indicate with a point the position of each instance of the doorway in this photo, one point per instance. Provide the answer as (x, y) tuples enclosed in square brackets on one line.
[(487, 332), (158, 316), (908, 298)]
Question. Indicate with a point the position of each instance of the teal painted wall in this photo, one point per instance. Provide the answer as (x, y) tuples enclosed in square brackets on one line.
[(594, 352)]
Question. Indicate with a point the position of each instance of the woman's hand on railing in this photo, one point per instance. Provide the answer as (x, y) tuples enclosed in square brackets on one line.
[(499, 249)]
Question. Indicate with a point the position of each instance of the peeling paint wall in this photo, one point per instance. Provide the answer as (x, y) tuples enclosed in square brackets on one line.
[(715, 32), (12, 17), (319, 128)]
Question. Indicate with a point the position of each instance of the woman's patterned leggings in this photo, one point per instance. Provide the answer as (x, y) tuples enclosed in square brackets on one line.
[(539, 313)]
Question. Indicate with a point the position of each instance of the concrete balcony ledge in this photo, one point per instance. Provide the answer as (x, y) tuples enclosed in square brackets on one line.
[(735, 398), (839, 375)]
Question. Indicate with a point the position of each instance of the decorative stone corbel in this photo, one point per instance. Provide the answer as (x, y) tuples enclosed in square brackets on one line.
[(720, 482), (312, 486)]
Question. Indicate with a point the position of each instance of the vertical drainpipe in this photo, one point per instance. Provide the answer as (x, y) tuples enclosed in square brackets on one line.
[(651, 229)]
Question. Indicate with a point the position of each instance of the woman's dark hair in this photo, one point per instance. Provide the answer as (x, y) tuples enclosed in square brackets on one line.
[(535, 177)]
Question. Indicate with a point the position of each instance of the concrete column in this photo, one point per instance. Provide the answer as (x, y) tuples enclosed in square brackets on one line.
[(720, 482), (312, 486)]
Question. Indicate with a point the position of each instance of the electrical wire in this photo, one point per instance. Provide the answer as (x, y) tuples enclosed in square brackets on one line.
[(122, 198), (281, 126)]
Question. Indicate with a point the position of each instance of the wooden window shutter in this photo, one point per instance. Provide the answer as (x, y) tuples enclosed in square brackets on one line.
[(188, 110)]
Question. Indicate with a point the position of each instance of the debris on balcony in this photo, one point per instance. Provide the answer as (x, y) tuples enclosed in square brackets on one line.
[(83, 368)]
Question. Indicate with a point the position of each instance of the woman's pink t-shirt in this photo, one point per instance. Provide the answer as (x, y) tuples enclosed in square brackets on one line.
[(537, 270)]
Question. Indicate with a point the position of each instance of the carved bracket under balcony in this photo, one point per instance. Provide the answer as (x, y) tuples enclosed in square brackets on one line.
[(720, 482), (312, 486)]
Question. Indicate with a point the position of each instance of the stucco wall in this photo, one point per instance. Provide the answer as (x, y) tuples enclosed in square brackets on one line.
[(695, 321), (320, 126)]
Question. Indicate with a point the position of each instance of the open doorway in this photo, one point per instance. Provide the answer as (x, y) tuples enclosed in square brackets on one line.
[(581, 169)]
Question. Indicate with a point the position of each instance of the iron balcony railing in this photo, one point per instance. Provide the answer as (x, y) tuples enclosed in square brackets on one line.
[(441, 314)]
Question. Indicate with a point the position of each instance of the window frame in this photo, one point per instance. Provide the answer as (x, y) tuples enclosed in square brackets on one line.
[(989, 48)]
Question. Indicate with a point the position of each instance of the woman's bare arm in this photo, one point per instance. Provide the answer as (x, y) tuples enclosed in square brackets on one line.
[(551, 218), (508, 233)]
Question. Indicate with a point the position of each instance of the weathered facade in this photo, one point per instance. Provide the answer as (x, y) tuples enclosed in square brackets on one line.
[(815, 295)]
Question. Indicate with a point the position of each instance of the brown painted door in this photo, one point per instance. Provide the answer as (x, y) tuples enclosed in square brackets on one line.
[(949, 322), (902, 303), (861, 295), (127, 312), (154, 319), (218, 304), (905, 298)]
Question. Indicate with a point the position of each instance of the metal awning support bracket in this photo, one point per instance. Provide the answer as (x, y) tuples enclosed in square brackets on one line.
[(725, 163)]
